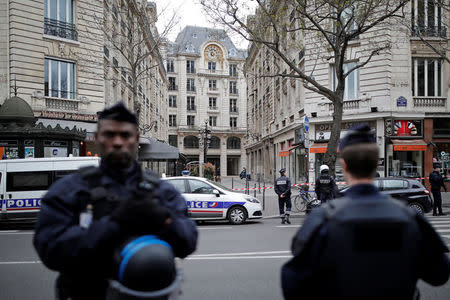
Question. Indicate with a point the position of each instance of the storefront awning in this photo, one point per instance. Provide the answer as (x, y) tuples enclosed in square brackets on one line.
[(151, 149), (409, 145), (318, 148), (288, 151)]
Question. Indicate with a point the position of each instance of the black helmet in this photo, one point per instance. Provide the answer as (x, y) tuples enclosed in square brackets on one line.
[(283, 170), (145, 264)]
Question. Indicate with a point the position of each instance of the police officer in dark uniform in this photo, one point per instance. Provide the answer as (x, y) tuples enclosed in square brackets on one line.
[(123, 200), (325, 187), (365, 245), (436, 182), (283, 190)]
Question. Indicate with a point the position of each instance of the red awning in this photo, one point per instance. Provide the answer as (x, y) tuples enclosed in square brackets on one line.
[(409, 145), (318, 148)]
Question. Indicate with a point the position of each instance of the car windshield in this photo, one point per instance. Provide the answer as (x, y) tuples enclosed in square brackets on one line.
[(219, 185)]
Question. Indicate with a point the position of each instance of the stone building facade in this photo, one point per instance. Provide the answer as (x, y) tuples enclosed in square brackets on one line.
[(207, 90), (58, 56), (402, 93)]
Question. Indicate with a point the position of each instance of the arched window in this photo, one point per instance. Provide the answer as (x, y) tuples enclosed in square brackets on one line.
[(214, 143), (191, 142), (234, 143)]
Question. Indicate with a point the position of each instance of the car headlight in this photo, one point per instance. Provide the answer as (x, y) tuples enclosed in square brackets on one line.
[(251, 199)]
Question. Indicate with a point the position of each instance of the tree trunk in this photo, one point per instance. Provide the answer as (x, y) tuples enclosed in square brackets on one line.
[(331, 154)]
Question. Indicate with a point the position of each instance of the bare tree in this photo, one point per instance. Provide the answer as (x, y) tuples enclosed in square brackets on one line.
[(326, 30)]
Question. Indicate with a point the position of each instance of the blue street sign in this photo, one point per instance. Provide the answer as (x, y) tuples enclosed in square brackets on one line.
[(401, 101), (306, 124)]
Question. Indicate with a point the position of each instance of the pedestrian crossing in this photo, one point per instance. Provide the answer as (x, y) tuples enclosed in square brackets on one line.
[(442, 225)]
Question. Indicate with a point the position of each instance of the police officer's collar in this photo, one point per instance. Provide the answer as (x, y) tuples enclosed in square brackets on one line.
[(360, 191), (120, 175)]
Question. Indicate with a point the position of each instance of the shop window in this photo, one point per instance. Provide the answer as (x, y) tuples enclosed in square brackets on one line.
[(441, 126), (441, 157), (405, 163)]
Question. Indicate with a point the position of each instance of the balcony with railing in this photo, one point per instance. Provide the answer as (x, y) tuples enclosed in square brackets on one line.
[(430, 102), (60, 29), (190, 70), (234, 91), (173, 87), (439, 31), (354, 106), (191, 108)]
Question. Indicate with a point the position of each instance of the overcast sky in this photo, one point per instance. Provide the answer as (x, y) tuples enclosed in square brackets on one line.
[(189, 12)]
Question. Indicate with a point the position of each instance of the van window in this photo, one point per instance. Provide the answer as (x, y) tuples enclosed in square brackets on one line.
[(28, 181), (200, 187), (179, 185), (61, 174)]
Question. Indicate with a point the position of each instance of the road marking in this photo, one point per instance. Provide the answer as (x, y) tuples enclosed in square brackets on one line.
[(288, 226), (238, 257), (446, 236), (20, 262), (213, 228), (440, 222), (14, 232), (241, 253), (443, 230)]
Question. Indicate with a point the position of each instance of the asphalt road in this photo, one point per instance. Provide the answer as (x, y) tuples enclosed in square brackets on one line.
[(232, 262)]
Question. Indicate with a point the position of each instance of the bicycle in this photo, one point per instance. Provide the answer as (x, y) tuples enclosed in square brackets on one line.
[(301, 201)]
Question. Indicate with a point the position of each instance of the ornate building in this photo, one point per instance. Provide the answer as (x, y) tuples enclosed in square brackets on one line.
[(68, 59), (207, 98)]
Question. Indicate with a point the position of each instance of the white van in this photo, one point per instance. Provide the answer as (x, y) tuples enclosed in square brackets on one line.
[(23, 182)]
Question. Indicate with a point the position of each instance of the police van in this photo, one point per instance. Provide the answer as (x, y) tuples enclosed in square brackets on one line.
[(23, 182), (208, 200)]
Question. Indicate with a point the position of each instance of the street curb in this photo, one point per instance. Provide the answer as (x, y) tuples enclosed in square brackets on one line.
[(295, 215)]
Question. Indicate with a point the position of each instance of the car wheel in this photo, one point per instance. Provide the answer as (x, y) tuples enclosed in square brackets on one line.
[(418, 207), (237, 215)]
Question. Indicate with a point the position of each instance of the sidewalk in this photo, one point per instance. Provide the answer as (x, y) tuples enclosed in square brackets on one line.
[(270, 199)]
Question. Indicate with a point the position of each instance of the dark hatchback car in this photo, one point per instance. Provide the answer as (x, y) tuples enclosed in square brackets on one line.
[(409, 191)]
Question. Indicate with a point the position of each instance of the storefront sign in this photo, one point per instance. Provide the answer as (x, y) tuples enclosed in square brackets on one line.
[(407, 128), (410, 147), (323, 131), (401, 101), (29, 152), (318, 148), (65, 116), (283, 153)]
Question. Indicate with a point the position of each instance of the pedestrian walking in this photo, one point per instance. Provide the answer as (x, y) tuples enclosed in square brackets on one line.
[(217, 173), (365, 245), (437, 182), (86, 215), (283, 190), (325, 187)]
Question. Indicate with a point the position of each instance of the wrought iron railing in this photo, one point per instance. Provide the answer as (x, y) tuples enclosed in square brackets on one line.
[(60, 29), (429, 31)]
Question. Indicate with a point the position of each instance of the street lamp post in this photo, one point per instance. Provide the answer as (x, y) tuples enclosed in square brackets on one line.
[(205, 138)]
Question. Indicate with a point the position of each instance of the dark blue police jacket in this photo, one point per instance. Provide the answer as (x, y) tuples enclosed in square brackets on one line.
[(86, 254), (307, 275)]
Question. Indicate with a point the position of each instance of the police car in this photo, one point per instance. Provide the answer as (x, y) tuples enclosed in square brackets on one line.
[(208, 200)]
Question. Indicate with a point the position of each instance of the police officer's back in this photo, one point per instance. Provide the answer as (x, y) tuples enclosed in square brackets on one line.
[(365, 245), (325, 186), (124, 202)]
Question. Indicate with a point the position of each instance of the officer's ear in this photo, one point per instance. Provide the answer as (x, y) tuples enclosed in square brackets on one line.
[(344, 165)]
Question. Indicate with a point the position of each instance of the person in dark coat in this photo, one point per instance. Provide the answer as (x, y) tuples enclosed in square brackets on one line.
[(437, 182), (283, 190), (87, 214), (325, 187), (365, 245)]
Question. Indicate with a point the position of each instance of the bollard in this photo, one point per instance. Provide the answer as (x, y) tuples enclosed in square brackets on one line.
[(255, 191), (264, 196), (232, 183), (259, 184)]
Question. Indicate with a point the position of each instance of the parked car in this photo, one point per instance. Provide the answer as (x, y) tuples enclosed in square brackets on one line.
[(409, 191), (208, 200)]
